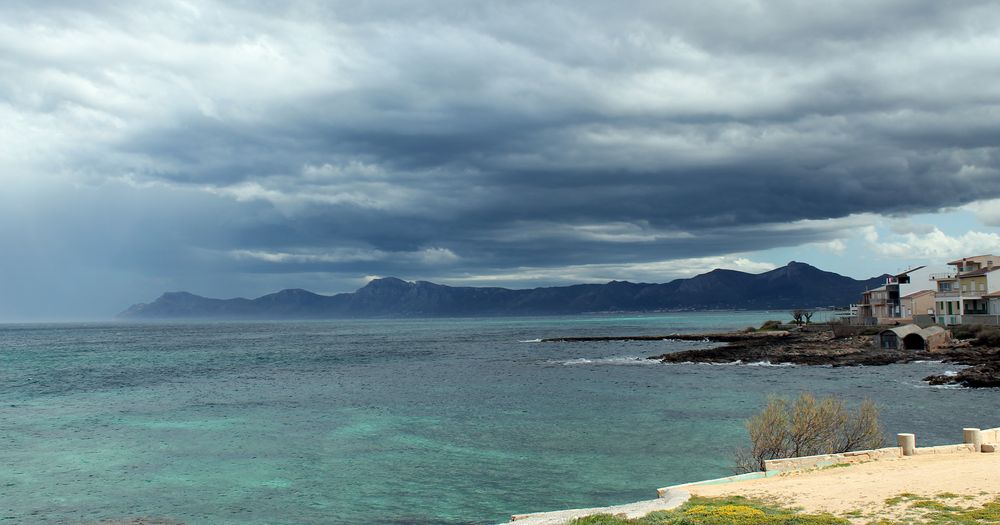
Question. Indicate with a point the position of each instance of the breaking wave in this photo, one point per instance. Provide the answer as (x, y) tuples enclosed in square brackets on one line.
[(739, 362), (628, 360)]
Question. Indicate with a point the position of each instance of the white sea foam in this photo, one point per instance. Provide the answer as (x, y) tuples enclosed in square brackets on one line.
[(770, 364), (739, 362), (627, 360), (531, 341)]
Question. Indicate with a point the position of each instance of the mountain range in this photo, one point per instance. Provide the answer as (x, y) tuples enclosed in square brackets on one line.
[(796, 285)]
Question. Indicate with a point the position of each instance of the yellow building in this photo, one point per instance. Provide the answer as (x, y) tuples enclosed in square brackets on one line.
[(963, 295)]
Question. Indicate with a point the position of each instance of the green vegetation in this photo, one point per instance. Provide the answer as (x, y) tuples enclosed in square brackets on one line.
[(928, 511), (741, 511), (770, 326), (981, 335), (896, 500), (808, 427), (719, 511)]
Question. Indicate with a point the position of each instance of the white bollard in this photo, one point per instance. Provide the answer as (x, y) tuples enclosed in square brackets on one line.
[(908, 442), (973, 436)]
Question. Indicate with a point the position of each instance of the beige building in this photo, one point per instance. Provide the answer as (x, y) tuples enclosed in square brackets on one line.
[(966, 294), (918, 303)]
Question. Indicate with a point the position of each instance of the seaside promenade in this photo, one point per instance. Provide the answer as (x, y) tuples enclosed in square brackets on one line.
[(861, 487)]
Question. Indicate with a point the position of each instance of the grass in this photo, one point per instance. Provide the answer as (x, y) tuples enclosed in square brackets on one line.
[(906, 496), (741, 511), (719, 511), (930, 511), (841, 465)]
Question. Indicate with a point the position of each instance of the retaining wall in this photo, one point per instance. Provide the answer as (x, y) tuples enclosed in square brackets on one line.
[(964, 448), (829, 460)]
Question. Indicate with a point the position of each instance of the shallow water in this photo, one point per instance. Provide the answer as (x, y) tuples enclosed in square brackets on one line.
[(392, 421)]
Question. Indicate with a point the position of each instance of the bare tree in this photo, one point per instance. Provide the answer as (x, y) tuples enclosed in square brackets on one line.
[(807, 427)]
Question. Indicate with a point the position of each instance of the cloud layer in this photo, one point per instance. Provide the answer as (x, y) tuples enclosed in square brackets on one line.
[(454, 139)]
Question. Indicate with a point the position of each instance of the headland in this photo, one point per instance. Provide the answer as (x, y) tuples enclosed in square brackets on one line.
[(820, 345)]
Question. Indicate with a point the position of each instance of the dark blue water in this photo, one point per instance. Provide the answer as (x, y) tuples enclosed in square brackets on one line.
[(416, 421)]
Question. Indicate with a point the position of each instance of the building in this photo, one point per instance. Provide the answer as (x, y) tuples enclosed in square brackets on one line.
[(884, 305), (968, 293), (912, 337), (918, 303)]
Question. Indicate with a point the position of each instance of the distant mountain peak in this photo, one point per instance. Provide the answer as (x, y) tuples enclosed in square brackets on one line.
[(294, 291), (387, 281), (179, 296)]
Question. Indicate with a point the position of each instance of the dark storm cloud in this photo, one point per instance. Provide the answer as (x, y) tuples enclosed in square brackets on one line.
[(441, 138)]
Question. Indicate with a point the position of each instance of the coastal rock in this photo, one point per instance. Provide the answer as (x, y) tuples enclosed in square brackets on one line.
[(976, 376), (812, 348), (800, 348)]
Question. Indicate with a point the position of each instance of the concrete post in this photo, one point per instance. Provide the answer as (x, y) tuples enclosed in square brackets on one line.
[(907, 442), (973, 436)]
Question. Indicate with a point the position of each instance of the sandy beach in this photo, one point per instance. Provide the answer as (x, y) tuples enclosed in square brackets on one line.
[(860, 491)]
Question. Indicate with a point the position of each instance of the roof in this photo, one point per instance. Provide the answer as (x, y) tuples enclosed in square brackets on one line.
[(911, 270), (902, 331), (917, 294), (931, 330), (963, 259), (992, 295), (908, 329)]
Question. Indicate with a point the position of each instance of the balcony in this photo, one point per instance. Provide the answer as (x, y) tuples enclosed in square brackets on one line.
[(948, 276), (955, 294)]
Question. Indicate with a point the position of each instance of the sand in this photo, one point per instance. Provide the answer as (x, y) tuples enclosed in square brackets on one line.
[(864, 488)]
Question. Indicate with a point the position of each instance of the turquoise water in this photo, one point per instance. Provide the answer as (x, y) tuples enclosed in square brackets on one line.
[(391, 421)]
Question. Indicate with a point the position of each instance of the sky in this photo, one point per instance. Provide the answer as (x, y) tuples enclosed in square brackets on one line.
[(239, 148)]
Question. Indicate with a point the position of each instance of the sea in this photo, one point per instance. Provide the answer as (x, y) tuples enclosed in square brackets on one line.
[(414, 421)]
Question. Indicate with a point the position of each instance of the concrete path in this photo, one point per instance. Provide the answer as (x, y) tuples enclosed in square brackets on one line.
[(671, 500)]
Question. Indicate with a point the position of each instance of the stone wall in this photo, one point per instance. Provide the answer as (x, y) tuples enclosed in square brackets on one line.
[(829, 460), (944, 449)]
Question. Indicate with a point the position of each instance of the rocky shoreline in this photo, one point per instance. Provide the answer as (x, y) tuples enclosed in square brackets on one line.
[(822, 348)]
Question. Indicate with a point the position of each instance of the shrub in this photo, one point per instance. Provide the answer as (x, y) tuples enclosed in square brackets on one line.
[(979, 334), (807, 427), (966, 331), (770, 326), (988, 336)]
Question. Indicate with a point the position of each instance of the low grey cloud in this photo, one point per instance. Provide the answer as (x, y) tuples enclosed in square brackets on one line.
[(256, 145)]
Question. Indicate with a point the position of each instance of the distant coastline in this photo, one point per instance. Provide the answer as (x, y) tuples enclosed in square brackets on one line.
[(795, 285)]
